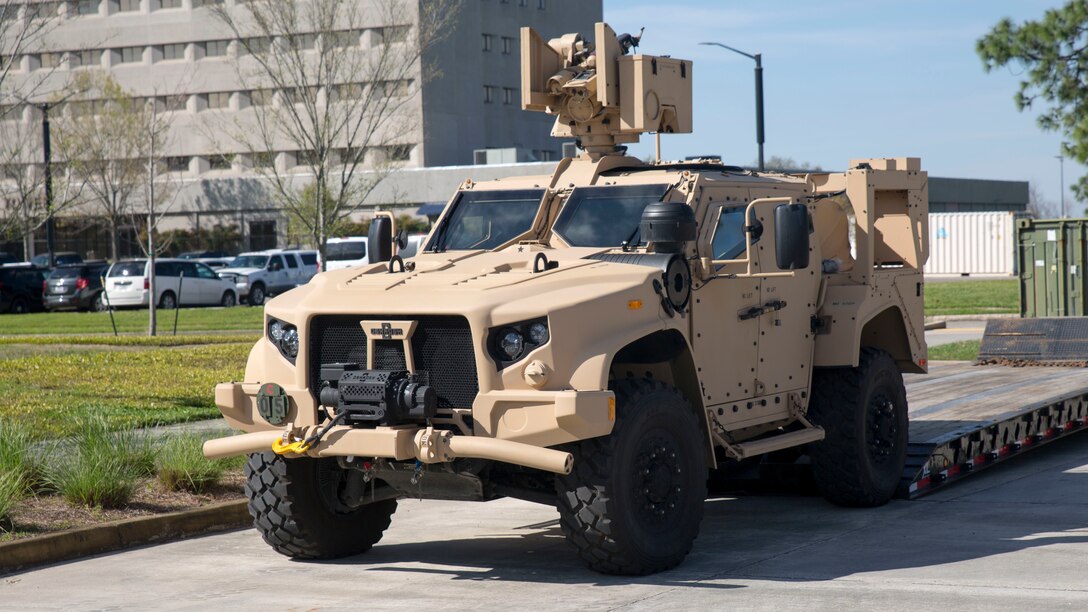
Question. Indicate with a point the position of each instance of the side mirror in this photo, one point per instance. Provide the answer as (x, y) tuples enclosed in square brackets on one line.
[(380, 239), (791, 236)]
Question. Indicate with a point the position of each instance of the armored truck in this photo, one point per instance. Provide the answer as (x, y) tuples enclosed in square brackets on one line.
[(599, 339)]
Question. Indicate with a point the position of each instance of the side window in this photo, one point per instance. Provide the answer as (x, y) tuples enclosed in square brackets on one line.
[(189, 269), (276, 263), (291, 262), (309, 259), (729, 236), (166, 268), (203, 271)]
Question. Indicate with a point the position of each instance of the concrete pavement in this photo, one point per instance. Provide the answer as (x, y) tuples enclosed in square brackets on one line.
[(956, 331), (1015, 536)]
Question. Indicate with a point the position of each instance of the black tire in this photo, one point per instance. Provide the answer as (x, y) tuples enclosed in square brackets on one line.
[(19, 306), (627, 507), (257, 295), (99, 304), (228, 300), (294, 505), (168, 301), (864, 412)]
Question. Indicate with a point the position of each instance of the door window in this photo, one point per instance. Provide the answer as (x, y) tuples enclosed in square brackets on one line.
[(167, 268), (730, 238), (203, 271), (291, 263), (276, 263)]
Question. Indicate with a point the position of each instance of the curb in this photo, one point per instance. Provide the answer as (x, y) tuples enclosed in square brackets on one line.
[(118, 535), (970, 317)]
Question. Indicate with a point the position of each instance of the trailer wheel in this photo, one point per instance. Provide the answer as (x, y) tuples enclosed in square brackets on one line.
[(634, 501), (297, 507), (864, 412)]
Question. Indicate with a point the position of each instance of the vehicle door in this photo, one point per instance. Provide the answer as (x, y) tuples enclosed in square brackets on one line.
[(725, 340), (276, 273), (168, 278), (294, 272), (212, 287)]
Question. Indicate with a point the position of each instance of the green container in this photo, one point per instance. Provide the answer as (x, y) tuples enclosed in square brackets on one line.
[(1052, 258)]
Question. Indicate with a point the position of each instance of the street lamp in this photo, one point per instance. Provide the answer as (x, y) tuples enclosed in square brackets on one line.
[(759, 93)]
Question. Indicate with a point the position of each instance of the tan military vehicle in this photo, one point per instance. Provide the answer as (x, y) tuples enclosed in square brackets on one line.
[(598, 339)]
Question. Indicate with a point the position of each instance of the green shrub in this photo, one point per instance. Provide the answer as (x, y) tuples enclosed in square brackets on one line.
[(17, 456), (11, 491), (99, 467), (181, 464)]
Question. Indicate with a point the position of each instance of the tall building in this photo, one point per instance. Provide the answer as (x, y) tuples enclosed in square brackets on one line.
[(466, 111)]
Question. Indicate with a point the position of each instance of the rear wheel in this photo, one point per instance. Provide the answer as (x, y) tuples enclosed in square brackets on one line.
[(303, 509), (228, 300), (863, 410), (634, 501), (256, 295), (99, 304), (20, 306), (168, 301)]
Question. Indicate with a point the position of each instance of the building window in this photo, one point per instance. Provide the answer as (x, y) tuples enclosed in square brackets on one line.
[(352, 155), (489, 94), (349, 91), (220, 161), (50, 60), (507, 95), (260, 97), (216, 48), (128, 6), (178, 164), (43, 10), (342, 40), (263, 159), (256, 46), (84, 59), (398, 153), (392, 34), (487, 42), (507, 45), (174, 103), (219, 99), (131, 55), (262, 235), (304, 42), (540, 4), (200, 3), (173, 52), (83, 7), (169, 4), (392, 89)]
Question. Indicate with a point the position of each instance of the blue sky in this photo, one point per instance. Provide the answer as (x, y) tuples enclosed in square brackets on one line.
[(853, 78)]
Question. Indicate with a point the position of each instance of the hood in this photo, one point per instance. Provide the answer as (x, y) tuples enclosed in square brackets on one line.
[(238, 271)]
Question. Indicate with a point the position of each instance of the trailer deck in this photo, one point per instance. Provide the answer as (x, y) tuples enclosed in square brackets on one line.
[(964, 417)]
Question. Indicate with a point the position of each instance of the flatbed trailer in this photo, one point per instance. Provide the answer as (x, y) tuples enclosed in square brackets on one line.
[(966, 417)]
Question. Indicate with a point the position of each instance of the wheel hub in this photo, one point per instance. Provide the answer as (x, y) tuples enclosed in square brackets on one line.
[(882, 428), (658, 479)]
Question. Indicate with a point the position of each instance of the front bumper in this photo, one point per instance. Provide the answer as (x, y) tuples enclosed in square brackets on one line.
[(511, 426)]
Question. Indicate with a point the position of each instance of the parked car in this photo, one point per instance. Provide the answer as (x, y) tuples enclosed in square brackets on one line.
[(59, 259), (76, 286), (414, 242), (6, 258), (346, 252), (21, 288), (257, 275), (215, 263), (204, 254), (177, 281)]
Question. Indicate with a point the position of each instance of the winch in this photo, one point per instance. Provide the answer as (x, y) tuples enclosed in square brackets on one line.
[(377, 397)]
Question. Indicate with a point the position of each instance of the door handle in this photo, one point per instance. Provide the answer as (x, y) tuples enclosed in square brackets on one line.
[(757, 311)]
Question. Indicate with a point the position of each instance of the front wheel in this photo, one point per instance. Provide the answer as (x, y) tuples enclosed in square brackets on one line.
[(256, 295), (228, 300), (863, 410), (304, 510), (168, 301), (634, 501)]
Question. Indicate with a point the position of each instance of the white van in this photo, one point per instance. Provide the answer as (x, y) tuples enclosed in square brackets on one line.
[(346, 252), (259, 274), (177, 282)]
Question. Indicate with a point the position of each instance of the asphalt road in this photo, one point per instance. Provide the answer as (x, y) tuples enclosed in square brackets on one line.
[(956, 331), (1013, 537)]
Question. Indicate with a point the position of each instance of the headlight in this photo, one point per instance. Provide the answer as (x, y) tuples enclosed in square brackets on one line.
[(285, 337), (508, 344)]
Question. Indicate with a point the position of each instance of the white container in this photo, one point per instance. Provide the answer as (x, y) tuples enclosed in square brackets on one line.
[(972, 243)]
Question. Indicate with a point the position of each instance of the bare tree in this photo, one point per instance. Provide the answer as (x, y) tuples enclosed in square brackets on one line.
[(23, 26), (332, 83), (1038, 206), (102, 141)]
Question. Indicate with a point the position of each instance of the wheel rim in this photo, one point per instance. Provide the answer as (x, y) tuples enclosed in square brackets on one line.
[(258, 295), (168, 302), (228, 300), (882, 428), (659, 485)]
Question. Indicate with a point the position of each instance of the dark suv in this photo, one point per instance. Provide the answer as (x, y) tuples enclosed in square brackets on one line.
[(21, 288), (75, 286)]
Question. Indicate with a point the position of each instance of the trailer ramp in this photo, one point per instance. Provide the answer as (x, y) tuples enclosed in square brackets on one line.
[(1025, 342), (966, 417)]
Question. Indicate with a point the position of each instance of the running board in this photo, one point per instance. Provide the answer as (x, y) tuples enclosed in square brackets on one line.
[(763, 446)]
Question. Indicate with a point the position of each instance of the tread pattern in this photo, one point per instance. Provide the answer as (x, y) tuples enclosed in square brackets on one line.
[(586, 497), (838, 463), (287, 511)]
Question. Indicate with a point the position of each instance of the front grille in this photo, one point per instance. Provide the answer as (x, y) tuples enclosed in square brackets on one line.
[(442, 347)]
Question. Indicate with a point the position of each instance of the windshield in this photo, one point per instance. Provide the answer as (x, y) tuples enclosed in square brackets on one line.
[(66, 272), (127, 268), (605, 216), (342, 251), (487, 219), (249, 261)]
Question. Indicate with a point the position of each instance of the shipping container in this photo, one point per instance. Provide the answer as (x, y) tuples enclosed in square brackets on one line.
[(1052, 259), (970, 243)]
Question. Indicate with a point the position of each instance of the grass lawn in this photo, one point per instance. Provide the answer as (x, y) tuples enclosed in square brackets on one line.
[(240, 318), (973, 297), (955, 351), (50, 386)]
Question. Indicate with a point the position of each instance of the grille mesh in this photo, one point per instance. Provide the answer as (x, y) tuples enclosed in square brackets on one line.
[(442, 347)]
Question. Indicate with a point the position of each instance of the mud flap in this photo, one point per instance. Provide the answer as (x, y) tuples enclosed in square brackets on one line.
[(1058, 341)]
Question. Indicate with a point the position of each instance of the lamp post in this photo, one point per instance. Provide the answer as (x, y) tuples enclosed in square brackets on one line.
[(47, 153), (758, 57)]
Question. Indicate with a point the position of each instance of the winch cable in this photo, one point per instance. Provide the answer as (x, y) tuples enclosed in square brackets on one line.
[(301, 446)]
